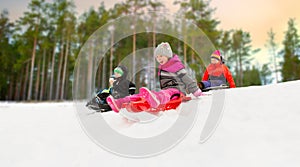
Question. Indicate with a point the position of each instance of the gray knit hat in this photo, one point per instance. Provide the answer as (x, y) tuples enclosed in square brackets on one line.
[(163, 49)]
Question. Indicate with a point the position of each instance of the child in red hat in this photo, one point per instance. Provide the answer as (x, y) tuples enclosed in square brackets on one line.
[(217, 73)]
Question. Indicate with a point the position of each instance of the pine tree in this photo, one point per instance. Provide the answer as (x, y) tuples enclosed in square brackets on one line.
[(225, 43), (240, 53), (135, 7), (66, 22), (53, 38), (7, 55), (32, 22), (265, 74), (291, 63), (47, 45), (201, 14), (89, 22), (154, 6), (251, 77)]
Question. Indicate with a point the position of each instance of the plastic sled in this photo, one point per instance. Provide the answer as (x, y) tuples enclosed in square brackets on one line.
[(99, 108), (96, 106), (215, 88), (142, 105)]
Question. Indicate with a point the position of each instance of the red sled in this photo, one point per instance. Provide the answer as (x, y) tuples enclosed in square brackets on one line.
[(143, 105)]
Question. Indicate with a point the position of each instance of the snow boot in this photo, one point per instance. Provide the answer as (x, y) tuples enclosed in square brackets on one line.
[(116, 104), (150, 97)]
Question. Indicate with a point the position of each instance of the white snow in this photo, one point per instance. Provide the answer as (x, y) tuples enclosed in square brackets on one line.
[(260, 127)]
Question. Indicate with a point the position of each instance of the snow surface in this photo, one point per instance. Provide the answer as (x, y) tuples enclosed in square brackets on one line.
[(260, 127)]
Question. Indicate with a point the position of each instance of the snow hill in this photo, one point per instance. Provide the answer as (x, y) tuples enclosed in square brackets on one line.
[(260, 127)]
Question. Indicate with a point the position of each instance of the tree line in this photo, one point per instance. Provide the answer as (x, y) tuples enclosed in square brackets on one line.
[(38, 51)]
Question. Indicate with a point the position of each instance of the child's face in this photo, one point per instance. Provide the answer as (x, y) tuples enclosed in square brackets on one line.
[(162, 59), (214, 61), (117, 75), (118, 72)]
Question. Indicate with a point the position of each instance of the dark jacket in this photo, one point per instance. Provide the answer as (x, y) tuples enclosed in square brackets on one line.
[(122, 87)]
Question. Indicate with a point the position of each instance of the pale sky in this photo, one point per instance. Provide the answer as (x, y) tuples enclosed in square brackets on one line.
[(254, 16), (257, 16)]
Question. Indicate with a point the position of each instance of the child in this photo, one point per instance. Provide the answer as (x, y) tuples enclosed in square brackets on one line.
[(217, 73), (173, 81), (119, 87)]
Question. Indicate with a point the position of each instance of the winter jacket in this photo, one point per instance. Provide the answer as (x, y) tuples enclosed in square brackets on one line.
[(218, 72), (173, 75), (122, 87)]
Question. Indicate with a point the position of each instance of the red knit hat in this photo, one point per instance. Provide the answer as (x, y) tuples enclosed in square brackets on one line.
[(216, 55)]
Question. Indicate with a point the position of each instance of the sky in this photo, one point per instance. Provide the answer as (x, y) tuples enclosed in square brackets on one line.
[(254, 16), (258, 17)]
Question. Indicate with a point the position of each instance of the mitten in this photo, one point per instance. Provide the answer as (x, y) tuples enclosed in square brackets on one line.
[(197, 93)]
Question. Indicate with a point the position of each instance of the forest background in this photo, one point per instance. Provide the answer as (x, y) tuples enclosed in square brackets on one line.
[(38, 50)]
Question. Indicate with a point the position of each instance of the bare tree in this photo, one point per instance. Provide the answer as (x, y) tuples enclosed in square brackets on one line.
[(272, 46)]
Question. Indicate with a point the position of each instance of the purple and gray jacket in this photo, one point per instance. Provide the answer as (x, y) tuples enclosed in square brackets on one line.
[(173, 75)]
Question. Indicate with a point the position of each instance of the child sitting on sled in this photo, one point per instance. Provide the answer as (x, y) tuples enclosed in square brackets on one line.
[(173, 81), (216, 74), (122, 87), (119, 87)]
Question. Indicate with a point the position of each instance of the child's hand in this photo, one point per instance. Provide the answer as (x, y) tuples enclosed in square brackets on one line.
[(197, 93), (111, 81)]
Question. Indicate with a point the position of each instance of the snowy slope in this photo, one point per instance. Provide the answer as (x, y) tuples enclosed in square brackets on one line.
[(260, 127)]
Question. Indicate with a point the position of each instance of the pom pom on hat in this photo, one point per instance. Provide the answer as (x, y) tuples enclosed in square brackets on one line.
[(216, 55), (163, 49)]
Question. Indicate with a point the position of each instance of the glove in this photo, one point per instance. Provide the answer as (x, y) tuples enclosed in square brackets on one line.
[(197, 93), (200, 85)]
